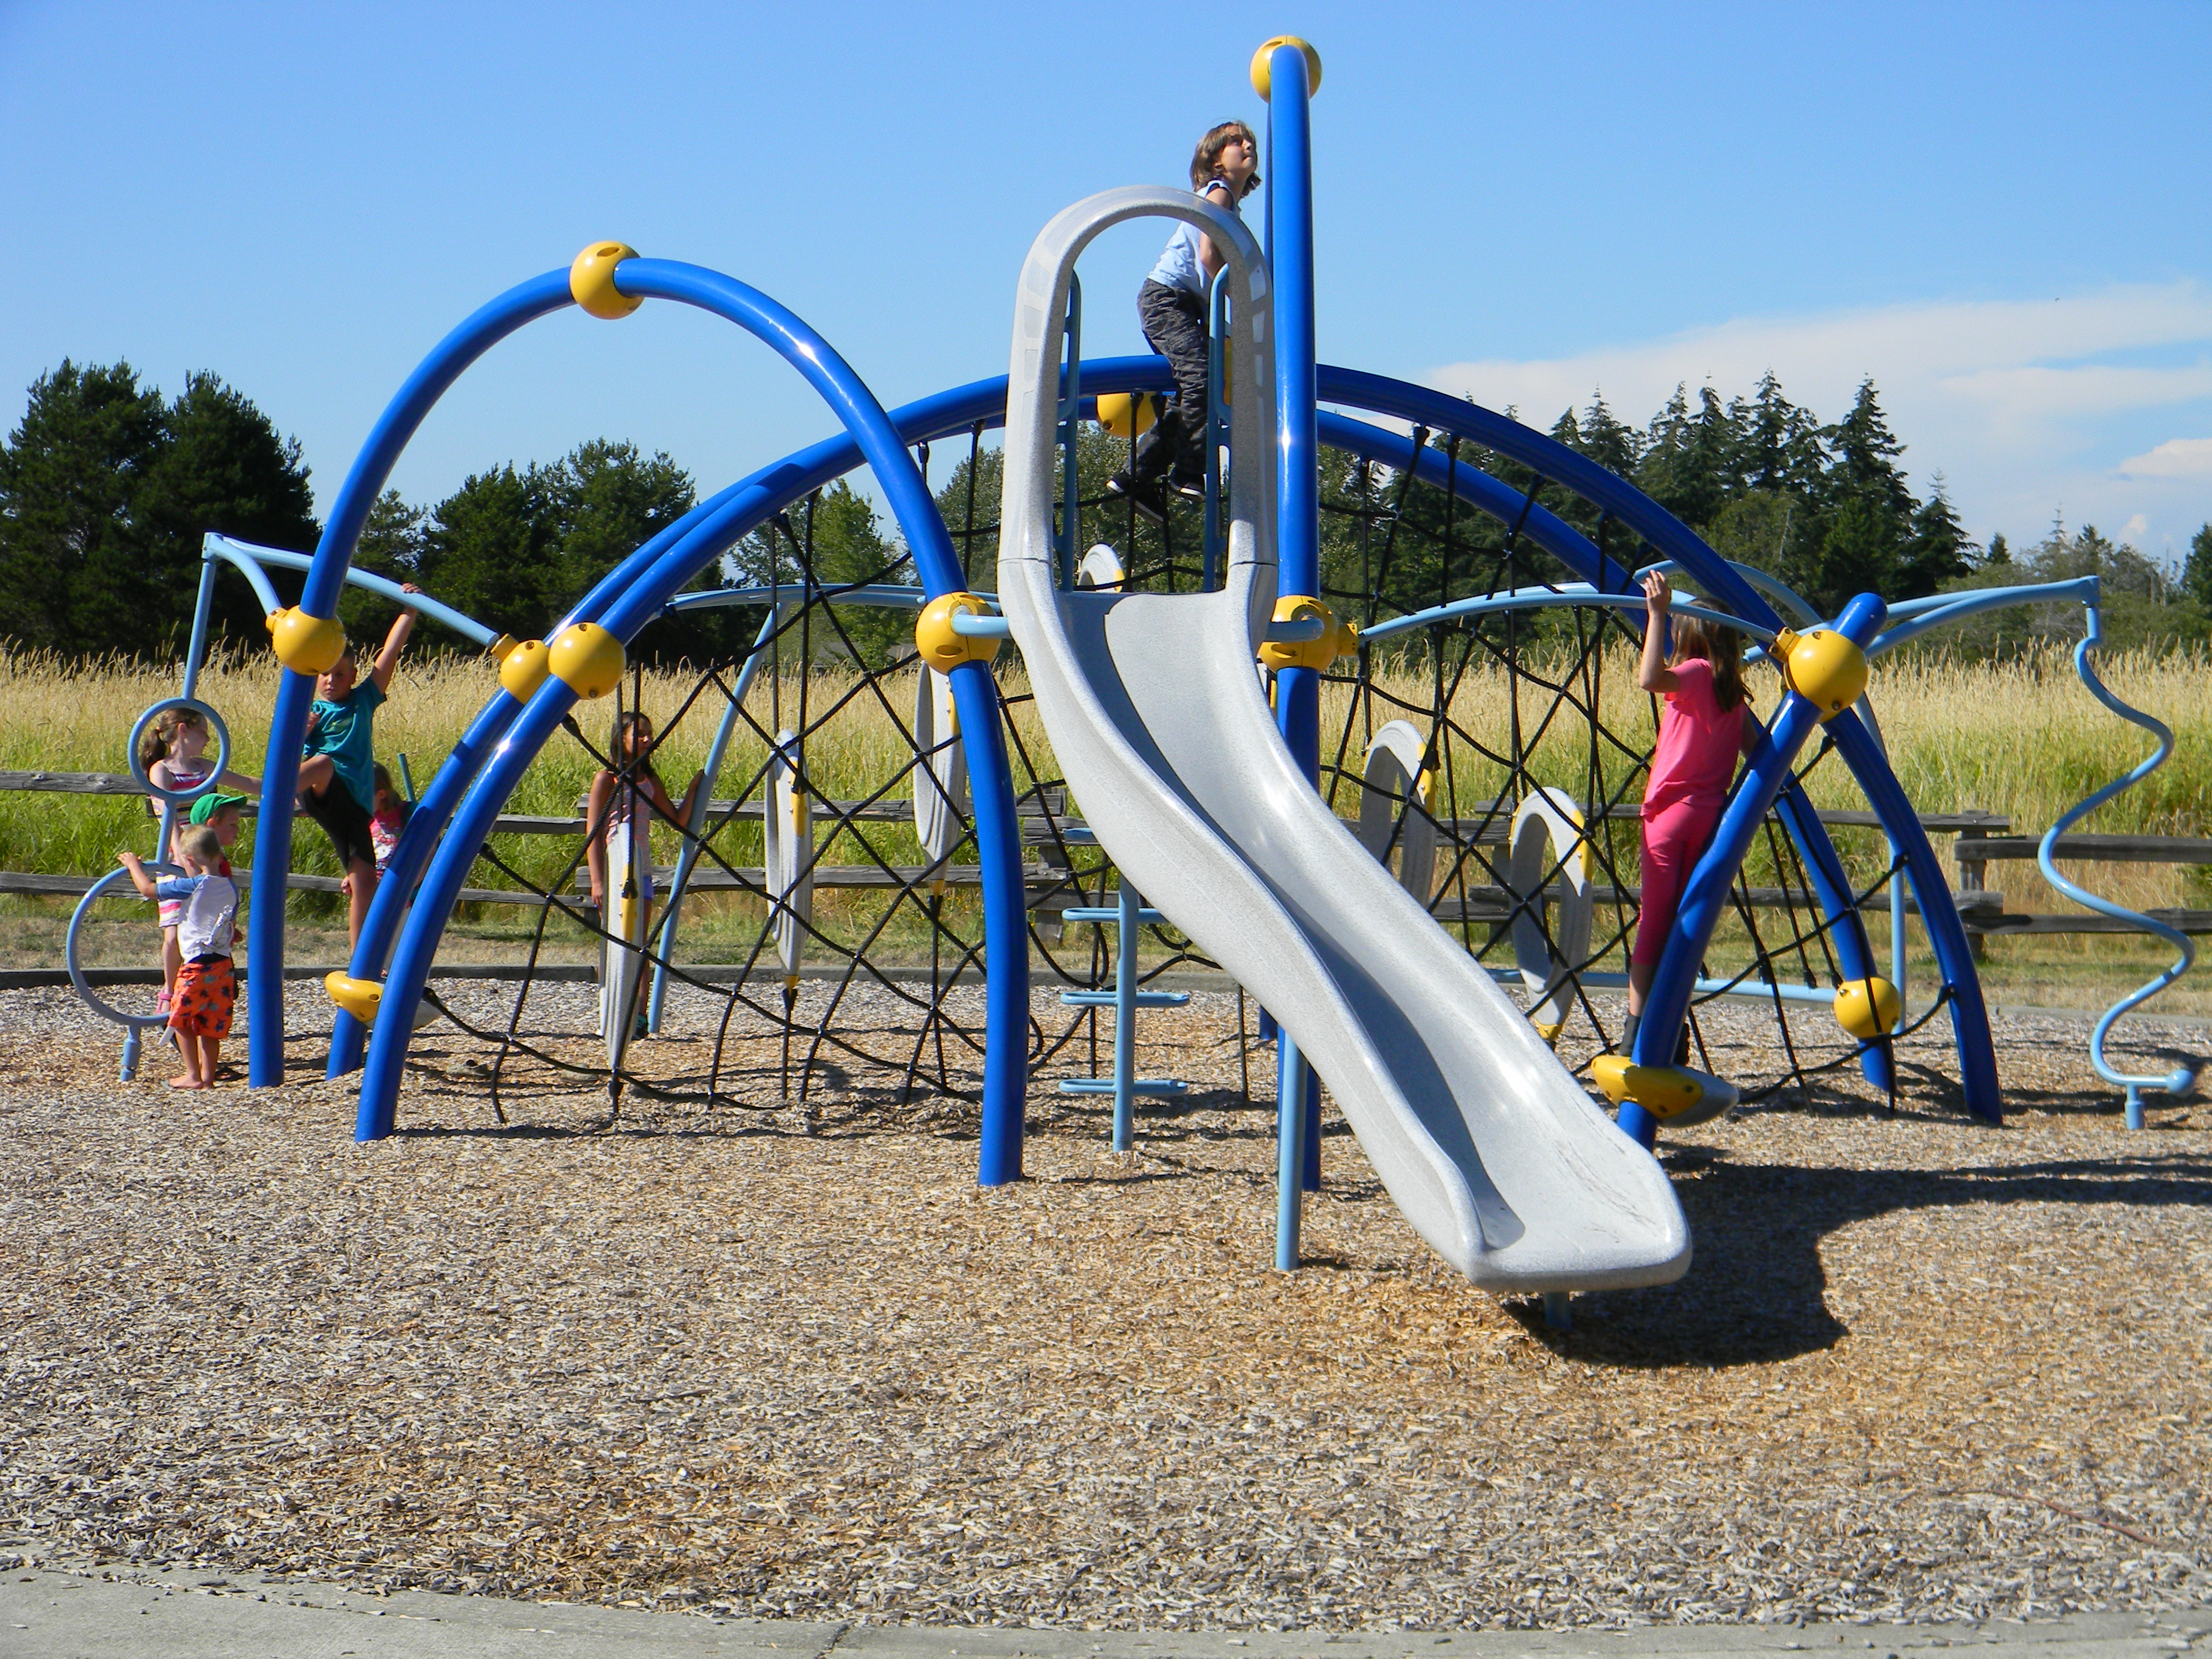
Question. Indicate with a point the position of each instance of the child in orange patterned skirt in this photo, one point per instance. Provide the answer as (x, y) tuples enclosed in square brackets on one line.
[(207, 988)]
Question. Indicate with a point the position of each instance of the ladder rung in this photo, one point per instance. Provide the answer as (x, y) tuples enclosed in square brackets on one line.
[(1104, 1085), (1108, 998), (1108, 913)]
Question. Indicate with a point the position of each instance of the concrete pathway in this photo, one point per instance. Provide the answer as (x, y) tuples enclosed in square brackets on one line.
[(57, 1615)]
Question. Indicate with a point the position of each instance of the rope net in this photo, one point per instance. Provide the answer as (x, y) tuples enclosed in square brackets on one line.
[(843, 961)]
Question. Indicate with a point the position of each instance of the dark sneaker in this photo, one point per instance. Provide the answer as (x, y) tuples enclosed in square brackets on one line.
[(1191, 489), (1149, 499)]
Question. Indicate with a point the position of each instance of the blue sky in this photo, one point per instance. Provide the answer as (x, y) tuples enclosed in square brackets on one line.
[(2000, 212)]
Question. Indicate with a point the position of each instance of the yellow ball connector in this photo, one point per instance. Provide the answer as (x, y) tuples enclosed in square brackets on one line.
[(1867, 1008), (591, 281), (1263, 78), (523, 668), (305, 644), (588, 660), (940, 648)]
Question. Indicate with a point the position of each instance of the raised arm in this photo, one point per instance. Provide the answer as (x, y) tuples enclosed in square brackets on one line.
[(387, 659), (1652, 673)]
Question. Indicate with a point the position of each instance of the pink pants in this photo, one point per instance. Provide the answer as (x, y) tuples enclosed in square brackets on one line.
[(1674, 838)]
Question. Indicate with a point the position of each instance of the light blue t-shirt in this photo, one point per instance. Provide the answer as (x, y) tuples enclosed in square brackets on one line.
[(1178, 266)]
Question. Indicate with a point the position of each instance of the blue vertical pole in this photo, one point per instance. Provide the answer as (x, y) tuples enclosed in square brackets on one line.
[(1298, 497), (1217, 425), (1129, 906), (1289, 1151)]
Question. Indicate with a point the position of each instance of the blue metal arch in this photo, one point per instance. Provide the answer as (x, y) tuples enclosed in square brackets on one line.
[(1674, 540), (288, 725), (997, 832)]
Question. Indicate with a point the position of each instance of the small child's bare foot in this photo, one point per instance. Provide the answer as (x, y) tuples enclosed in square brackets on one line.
[(187, 1082)]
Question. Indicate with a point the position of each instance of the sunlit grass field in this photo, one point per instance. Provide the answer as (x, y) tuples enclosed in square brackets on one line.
[(2022, 738)]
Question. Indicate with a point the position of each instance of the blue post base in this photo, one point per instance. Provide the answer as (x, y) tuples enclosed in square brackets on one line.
[(1558, 1315)]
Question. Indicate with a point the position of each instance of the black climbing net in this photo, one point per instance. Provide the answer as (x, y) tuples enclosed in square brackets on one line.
[(847, 976), (1508, 703), (885, 1009)]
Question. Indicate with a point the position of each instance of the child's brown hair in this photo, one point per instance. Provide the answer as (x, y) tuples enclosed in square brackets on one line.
[(153, 742), (1720, 646), (1205, 160)]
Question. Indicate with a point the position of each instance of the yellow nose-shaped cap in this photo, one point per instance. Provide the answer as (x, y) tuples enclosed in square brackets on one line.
[(359, 997), (1263, 78), (591, 281)]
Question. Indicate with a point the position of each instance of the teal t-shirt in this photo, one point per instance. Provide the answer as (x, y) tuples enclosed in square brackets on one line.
[(344, 730)]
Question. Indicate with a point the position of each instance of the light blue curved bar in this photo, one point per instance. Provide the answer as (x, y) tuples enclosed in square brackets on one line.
[(215, 546), (248, 557), (288, 723), (1704, 898), (997, 831), (1566, 595), (2181, 1078), (1942, 610)]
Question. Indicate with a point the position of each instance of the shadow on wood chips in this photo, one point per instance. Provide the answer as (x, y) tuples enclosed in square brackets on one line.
[(1755, 1292)]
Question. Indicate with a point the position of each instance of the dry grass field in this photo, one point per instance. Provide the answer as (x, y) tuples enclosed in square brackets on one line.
[(2022, 738)]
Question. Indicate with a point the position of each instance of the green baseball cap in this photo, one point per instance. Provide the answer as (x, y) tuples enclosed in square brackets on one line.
[(205, 808)]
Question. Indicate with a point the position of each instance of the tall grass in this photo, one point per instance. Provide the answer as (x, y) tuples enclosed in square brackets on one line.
[(2022, 738)]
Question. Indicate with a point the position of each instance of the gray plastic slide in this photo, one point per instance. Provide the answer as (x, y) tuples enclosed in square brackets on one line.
[(1486, 1142)]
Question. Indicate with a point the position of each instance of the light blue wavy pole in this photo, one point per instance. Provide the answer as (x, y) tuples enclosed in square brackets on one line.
[(288, 726), (1298, 486), (2183, 1079), (1706, 896), (997, 832), (1671, 538)]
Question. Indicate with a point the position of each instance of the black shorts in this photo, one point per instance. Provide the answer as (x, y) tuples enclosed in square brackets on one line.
[(345, 820)]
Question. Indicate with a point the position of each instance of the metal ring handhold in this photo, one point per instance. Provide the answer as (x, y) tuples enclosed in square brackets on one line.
[(93, 894), (182, 796)]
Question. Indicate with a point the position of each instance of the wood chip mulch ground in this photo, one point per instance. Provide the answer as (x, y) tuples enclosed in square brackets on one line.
[(764, 1359)]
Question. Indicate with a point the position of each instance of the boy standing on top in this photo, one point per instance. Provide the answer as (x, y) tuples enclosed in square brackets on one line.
[(1171, 306), (338, 768)]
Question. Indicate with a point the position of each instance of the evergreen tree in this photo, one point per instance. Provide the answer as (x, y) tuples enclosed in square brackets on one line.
[(1939, 550), (1781, 448), (105, 493), (2197, 574), (2000, 551)]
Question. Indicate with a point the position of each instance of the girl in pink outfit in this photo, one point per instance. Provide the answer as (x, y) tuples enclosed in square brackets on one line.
[(1707, 722)]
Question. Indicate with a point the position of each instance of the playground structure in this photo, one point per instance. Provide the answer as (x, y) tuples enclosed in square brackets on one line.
[(1199, 782)]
